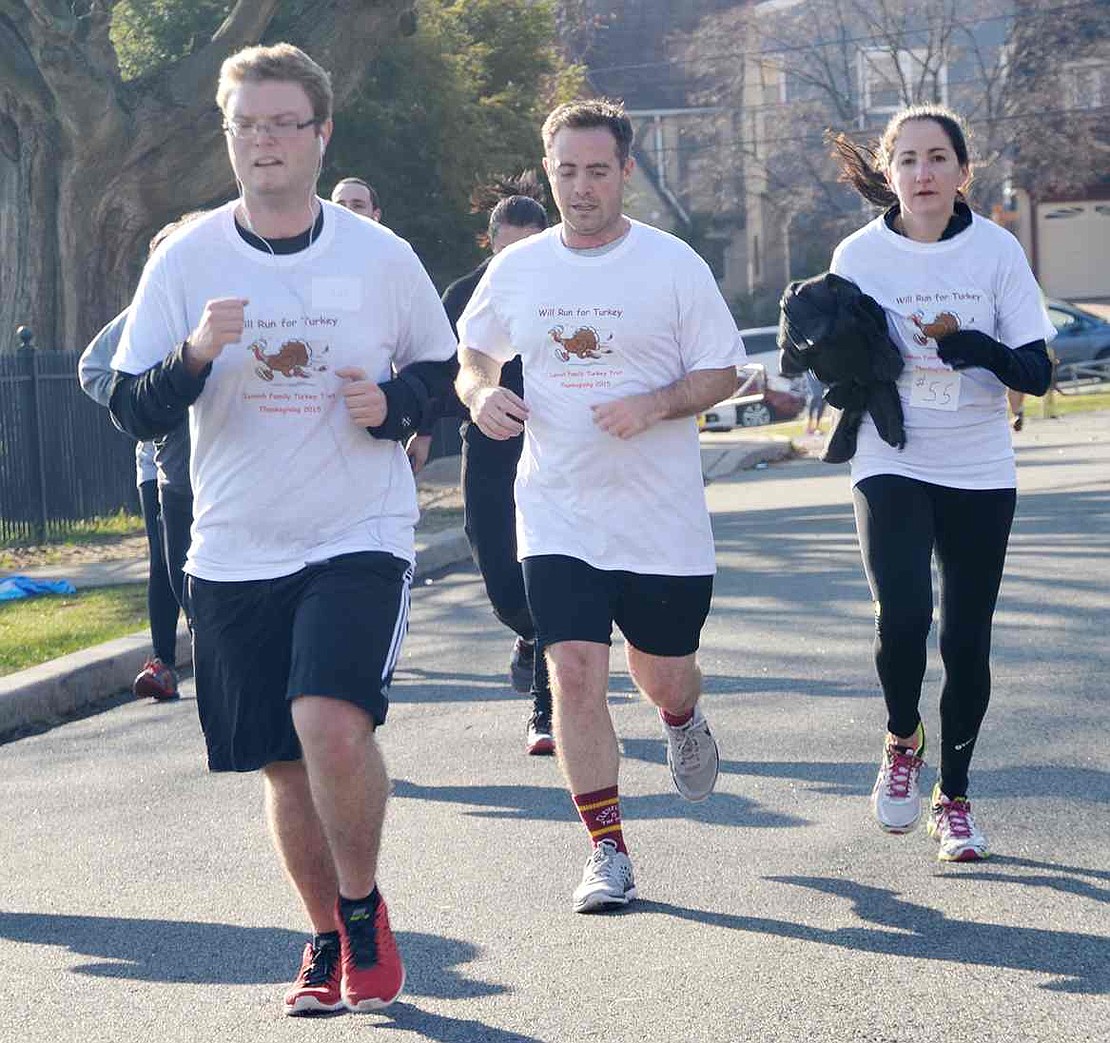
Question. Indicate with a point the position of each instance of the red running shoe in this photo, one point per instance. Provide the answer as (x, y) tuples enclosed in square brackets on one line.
[(156, 681), (540, 742), (372, 972), (316, 990)]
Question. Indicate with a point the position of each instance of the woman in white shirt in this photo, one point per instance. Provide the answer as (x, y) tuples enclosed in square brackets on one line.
[(965, 311)]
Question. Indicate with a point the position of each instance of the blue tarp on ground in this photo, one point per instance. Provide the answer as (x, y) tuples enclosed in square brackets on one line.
[(15, 587)]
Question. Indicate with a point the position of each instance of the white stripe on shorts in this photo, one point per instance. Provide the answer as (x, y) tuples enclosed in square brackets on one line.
[(400, 628)]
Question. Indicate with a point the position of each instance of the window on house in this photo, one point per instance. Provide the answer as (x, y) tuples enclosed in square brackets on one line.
[(772, 79), (888, 80), (712, 250), (1087, 84)]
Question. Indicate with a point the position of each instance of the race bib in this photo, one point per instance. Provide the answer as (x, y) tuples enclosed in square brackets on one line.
[(336, 293), (935, 389)]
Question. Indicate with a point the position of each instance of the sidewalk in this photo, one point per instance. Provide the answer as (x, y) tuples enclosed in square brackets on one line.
[(76, 683)]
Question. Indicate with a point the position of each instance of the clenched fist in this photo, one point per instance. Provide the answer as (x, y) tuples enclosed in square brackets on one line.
[(498, 413), (629, 416), (418, 449), (220, 324), (365, 401)]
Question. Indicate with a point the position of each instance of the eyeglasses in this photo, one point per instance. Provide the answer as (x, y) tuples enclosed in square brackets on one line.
[(280, 128)]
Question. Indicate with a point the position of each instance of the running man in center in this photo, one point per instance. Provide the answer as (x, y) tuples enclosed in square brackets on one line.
[(624, 338)]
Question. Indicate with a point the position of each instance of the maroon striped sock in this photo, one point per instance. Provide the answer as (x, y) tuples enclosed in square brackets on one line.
[(600, 812), (677, 720)]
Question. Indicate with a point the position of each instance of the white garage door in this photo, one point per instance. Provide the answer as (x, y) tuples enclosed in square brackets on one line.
[(1073, 249)]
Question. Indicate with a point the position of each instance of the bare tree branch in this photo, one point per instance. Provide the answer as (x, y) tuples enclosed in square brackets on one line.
[(192, 79), (1004, 72), (55, 17)]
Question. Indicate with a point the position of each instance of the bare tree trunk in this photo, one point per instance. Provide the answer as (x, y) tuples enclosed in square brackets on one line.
[(91, 167)]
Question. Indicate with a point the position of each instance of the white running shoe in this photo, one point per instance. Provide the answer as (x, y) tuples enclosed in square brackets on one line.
[(692, 756), (606, 881), (951, 823), (896, 798)]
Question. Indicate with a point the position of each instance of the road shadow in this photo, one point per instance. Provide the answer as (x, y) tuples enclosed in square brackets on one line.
[(443, 1029), (184, 952), (1078, 963), (551, 804), (1073, 883), (769, 556), (835, 778), (855, 778), (412, 684)]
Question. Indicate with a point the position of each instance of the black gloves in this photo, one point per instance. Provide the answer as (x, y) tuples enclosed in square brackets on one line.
[(1026, 369), (969, 348), (410, 397)]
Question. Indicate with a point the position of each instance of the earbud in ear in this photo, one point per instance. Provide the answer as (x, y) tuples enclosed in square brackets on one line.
[(321, 148)]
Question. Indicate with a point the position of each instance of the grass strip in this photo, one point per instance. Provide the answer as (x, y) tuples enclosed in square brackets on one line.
[(36, 630)]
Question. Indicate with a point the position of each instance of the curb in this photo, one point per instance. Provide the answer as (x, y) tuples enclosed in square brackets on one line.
[(725, 461), (72, 684), (75, 684), (439, 551)]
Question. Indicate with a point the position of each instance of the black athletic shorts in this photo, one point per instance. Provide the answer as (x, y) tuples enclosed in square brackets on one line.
[(334, 629), (573, 601)]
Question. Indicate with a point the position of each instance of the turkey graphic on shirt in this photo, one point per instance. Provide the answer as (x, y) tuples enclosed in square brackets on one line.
[(940, 326), (585, 344), (295, 358)]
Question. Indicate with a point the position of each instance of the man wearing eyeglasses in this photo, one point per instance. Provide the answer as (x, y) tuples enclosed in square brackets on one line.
[(277, 322)]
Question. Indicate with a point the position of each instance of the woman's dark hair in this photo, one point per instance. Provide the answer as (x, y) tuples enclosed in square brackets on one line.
[(166, 231), (865, 167), (516, 201)]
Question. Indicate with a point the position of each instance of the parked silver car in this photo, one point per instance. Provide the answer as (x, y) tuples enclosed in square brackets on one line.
[(1080, 335), (762, 395)]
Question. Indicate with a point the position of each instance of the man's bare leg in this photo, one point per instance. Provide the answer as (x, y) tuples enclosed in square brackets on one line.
[(586, 745), (585, 741), (349, 786), (299, 838), (673, 685)]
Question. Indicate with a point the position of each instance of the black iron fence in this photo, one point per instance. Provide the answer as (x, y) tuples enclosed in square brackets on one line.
[(61, 460)]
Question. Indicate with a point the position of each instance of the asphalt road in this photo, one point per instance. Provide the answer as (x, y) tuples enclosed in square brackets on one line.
[(140, 899)]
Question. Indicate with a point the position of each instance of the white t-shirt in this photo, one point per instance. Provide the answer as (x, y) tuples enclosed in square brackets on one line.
[(956, 430), (591, 329), (281, 475)]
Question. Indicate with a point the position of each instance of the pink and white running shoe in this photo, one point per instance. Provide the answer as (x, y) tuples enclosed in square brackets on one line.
[(896, 797), (950, 822)]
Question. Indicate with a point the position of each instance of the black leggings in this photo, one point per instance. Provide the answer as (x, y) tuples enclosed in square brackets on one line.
[(901, 523), (161, 601), (177, 520), (489, 514)]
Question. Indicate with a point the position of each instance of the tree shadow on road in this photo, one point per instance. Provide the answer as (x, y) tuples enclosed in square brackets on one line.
[(552, 804), (1079, 963), (185, 952)]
